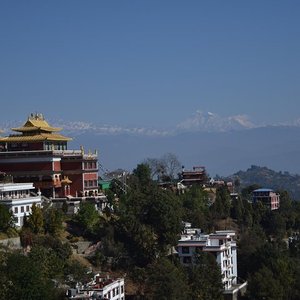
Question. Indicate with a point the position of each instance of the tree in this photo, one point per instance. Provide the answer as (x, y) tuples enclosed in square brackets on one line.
[(25, 280), (87, 217), (165, 168), (195, 206), (143, 173), (263, 285), (163, 214), (205, 278), (6, 218), (53, 221), (221, 207), (35, 220), (166, 282), (149, 221), (172, 165)]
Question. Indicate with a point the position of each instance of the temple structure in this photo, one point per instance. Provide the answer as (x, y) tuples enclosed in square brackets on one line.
[(38, 153)]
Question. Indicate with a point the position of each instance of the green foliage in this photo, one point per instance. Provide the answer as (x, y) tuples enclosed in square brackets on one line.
[(166, 282), (195, 207), (35, 220), (25, 280), (262, 176), (50, 265), (87, 217), (53, 221), (6, 218), (149, 221), (263, 286), (205, 277), (221, 207), (143, 173)]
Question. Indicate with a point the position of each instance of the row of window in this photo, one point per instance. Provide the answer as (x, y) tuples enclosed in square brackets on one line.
[(114, 292), (90, 183), (22, 209), (56, 146), (90, 165)]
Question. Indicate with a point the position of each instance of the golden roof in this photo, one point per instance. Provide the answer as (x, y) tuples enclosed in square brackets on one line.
[(34, 123), (35, 138)]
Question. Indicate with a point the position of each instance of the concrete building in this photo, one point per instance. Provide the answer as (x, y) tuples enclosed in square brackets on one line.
[(38, 153), (267, 197), (220, 244), (18, 197), (100, 287)]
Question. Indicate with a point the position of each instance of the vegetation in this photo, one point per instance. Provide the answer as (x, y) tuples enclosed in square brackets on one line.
[(138, 234), (265, 177)]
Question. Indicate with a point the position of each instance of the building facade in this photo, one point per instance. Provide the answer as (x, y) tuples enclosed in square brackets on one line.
[(38, 153), (267, 197), (197, 176), (220, 244), (18, 198), (100, 287)]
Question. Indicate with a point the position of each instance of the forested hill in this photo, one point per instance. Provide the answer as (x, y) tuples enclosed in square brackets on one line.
[(265, 177)]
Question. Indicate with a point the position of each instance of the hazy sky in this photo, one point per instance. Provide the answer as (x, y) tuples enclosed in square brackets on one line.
[(149, 63)]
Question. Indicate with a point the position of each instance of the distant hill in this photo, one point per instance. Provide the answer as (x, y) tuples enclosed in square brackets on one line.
[(270, 179)]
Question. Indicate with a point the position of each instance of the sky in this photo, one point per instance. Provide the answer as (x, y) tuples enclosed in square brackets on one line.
[(149, 63)]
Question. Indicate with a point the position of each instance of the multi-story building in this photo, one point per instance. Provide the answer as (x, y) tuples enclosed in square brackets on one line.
[(100, 287), (197, 176), (39, 154), (267, 197), (18, 198), (220, 244)]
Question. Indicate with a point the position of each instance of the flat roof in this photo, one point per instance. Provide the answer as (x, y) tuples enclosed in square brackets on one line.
[(264, 190)]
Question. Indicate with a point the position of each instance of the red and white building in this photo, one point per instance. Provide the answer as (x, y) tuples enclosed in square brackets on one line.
[(39, 154), (267, 197), (197, 176)]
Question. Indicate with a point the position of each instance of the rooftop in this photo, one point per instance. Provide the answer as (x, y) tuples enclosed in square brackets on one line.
[(264, 190), (36, 128)]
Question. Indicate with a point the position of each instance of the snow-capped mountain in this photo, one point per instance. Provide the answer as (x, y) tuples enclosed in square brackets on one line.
[(211, 122)]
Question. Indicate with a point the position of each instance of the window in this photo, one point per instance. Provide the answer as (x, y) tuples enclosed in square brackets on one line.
[(22, 209), (16, 210), (122, 289), (27, 207), (185, 250), (85, 183)]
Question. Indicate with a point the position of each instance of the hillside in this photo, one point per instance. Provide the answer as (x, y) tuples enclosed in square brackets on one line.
[(269, 178)]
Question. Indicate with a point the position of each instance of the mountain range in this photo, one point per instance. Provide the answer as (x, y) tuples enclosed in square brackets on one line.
[(222, 144)]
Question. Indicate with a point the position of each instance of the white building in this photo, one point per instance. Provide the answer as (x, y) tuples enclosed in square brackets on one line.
[(17, 196), (101, 287), (220, 244)]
